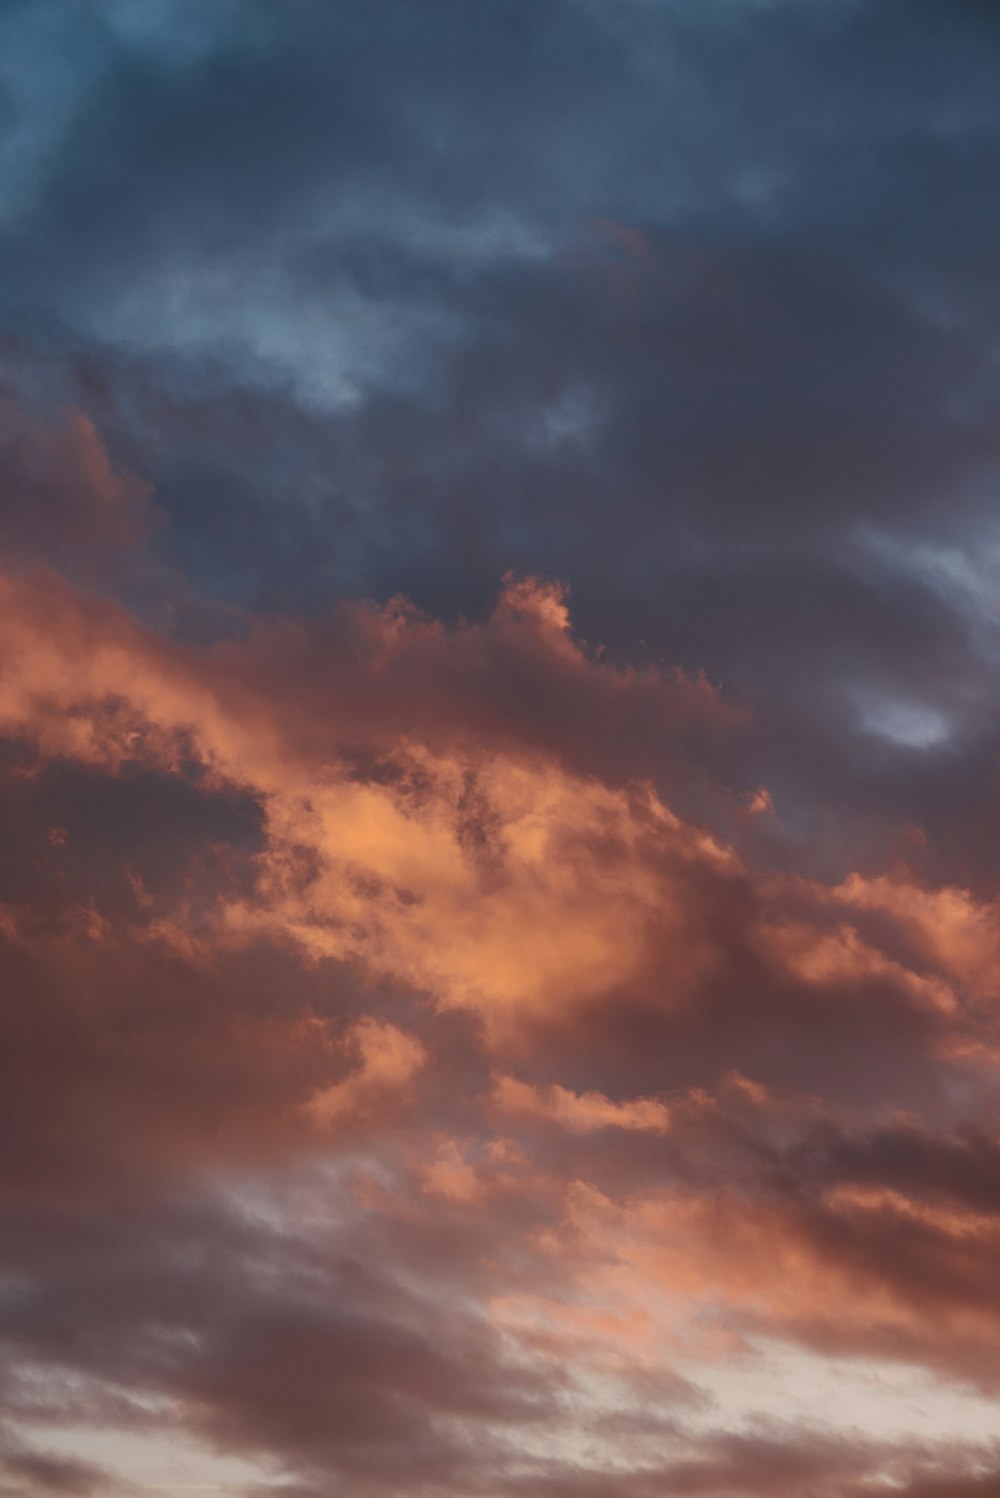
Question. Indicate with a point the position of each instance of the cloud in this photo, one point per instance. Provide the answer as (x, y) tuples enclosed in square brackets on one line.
[(62, 495), (498, 923), (389, 1059), (582, 1113)]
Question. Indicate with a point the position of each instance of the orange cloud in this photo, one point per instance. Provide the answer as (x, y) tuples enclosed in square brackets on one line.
[(581, 1112), (389, 1059)]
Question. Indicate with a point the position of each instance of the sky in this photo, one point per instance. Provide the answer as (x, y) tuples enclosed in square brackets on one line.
[(499, 748)]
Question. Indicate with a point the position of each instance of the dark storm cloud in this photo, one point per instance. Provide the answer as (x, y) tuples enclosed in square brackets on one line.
[(681, 303)]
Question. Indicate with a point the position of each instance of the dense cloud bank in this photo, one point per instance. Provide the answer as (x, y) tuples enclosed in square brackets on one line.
[(499, 927)]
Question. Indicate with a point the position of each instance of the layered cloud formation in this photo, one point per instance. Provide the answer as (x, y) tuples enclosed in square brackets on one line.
[(499, 932)]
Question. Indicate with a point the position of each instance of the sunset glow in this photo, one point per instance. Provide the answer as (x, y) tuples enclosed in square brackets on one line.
[(499, 749)]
